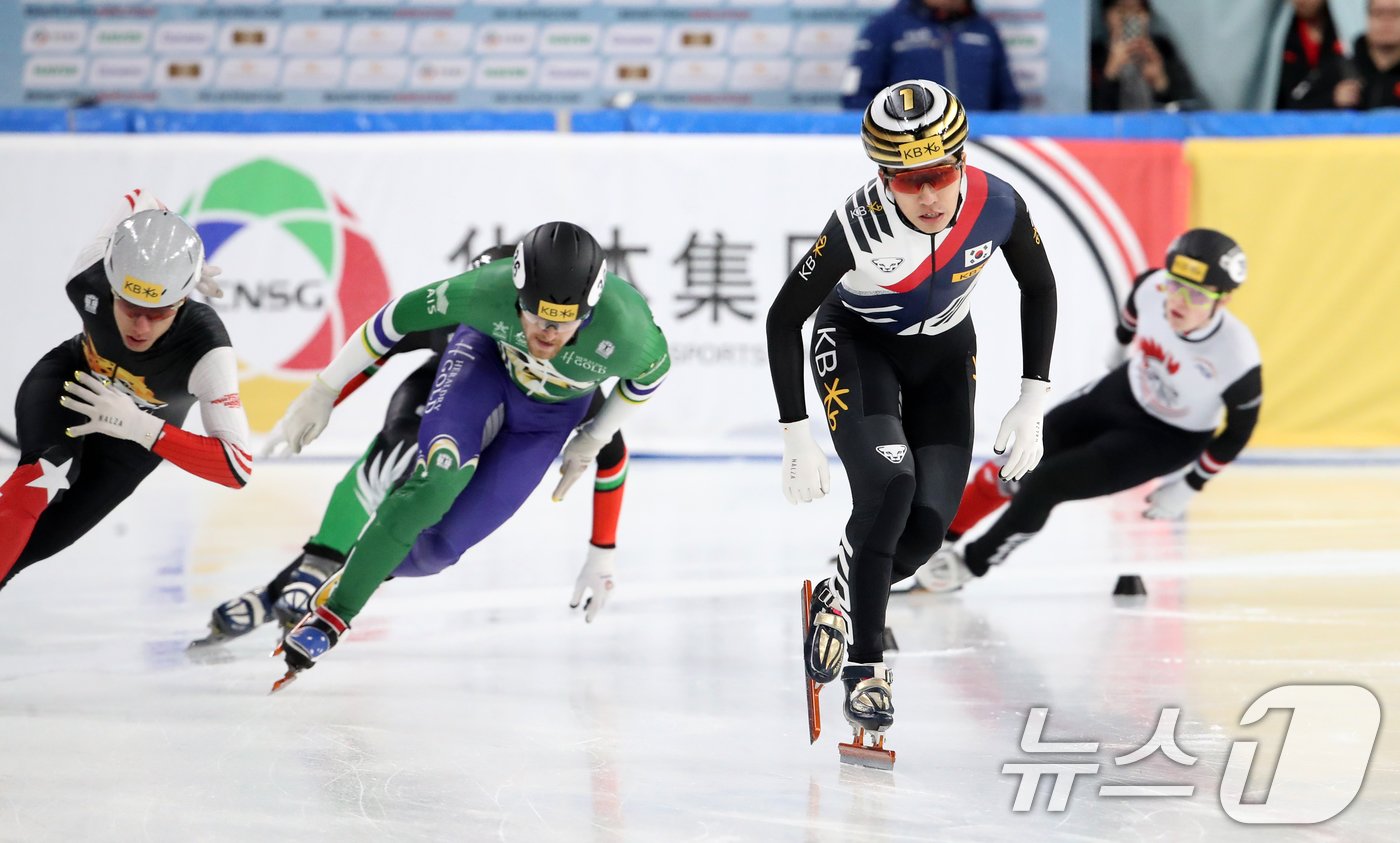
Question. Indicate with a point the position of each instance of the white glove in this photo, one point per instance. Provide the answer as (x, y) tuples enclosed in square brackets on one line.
[(206, 283), (304, 420), (1169, 501), (578, 455), (109, 411), (806, 475), (1024, 421), (596, 578)]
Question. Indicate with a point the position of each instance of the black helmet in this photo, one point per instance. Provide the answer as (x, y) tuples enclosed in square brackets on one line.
[(1207, 257), (559, 270), (495, 253)]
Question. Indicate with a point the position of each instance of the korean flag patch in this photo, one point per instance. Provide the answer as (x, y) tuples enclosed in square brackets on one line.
[(977, 254)]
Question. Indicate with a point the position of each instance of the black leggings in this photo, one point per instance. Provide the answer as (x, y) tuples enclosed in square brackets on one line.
[(1097, 443), (102, 473), (900, 414)]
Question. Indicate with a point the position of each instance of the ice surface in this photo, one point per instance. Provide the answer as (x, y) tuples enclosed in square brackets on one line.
[(475, 706)]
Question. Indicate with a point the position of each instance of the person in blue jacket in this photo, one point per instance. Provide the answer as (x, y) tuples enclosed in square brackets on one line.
[(946, 41)]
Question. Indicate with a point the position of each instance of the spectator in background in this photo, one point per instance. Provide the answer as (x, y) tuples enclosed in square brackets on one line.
[(1135, 70), (946, 41), (1376, 59), (1313, 62)]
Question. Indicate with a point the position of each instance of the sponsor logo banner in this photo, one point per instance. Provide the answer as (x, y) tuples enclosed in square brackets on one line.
[(54, 72), (377, 74), (313, 73), (505, 73), (54, 37), (376, 39), (696, 75), (119, 37), (754, 39), (449, 39), (825, 40), (570, 38), (498, 38), (188, 72), (760, 74), (249, 38), (313, 38), (191, 38), (633, 39), (441, 74), (125, 72), (248, 74), (580, 74)]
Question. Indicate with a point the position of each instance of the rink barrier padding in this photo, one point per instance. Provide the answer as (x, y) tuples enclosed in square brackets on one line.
[(645, 119)]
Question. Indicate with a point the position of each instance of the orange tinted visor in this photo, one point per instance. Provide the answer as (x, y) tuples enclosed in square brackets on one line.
[(912, 181)]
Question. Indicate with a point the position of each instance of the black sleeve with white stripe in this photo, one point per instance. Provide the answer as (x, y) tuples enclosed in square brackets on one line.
[(1243, 398), (1026, 257), (819, 270)]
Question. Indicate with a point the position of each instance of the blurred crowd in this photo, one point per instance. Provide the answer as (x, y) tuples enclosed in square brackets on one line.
[(1133, 66)]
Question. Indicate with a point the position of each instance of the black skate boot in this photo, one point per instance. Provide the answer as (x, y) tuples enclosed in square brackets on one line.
[(237, 617), (869, 708), (303, 581), (824, 644)]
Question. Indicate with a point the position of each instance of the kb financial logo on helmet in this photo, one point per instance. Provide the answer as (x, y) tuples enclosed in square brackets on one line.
[(299, 274), (143, 290), (924, 151)]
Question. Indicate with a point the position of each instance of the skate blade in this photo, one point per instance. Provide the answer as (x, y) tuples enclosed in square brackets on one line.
[(875, 756), (814, 709), (284, 681)]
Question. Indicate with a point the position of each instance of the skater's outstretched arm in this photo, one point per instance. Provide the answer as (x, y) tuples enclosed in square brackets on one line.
[(1021, 429)]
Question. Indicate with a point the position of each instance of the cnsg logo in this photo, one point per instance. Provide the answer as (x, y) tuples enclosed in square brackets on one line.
[(299, 276)]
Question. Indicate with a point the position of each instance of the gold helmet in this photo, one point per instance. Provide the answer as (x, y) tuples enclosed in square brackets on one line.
[(913, 123)]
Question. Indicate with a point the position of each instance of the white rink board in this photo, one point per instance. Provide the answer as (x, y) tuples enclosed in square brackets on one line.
[(417, 196)]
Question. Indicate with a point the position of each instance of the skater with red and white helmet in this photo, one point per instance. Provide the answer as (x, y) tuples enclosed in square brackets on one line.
[(893, 355), (1190, 364)]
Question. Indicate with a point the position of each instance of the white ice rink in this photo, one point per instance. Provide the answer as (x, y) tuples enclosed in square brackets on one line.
[(475, 706)]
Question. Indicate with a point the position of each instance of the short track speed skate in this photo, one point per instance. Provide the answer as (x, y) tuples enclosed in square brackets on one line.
[(868, 705), (235, 618), (814, 706), (317, 632), (869, 708)]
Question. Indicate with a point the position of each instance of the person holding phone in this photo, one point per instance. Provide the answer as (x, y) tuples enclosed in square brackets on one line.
[(1135, 69)]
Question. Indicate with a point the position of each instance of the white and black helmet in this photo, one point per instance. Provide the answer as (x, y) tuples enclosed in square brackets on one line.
[(1207, 257), (913, 123), (153, 259)]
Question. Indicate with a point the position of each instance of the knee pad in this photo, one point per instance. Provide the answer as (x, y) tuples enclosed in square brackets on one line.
[(898, 497)]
